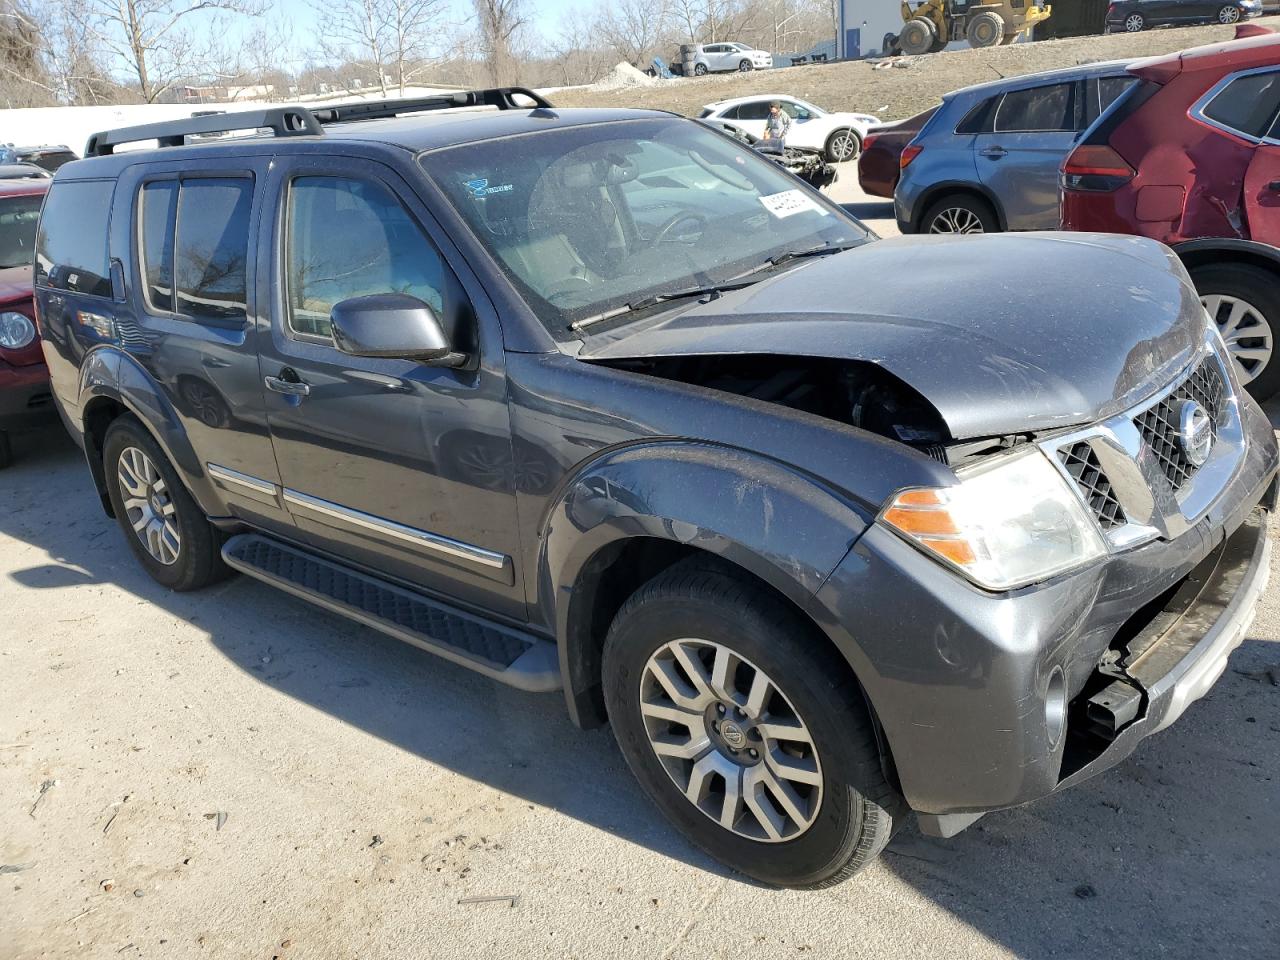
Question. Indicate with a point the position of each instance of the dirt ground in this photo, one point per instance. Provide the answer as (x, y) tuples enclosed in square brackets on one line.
[(893, 93), (235, 774)]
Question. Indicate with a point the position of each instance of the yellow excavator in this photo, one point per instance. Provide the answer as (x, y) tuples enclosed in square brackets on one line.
[(931, 25)]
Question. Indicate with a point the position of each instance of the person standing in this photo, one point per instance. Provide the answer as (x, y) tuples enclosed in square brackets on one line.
[(779, 122)]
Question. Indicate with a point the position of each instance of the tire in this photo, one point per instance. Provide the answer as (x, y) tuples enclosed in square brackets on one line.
[(6, 450), (856, 809), (699, 69), (917, 37), (1245, 302), (960, 213), (196, 561), (985, 29), (745, 66), (842, 146), (1135, 23), (1229, 14)]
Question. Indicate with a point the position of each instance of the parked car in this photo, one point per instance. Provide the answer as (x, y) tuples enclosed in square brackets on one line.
[(47, 157), (1191, 157), (988, 159), (699, 59), (1131, 16), (23, 171), (809, 165), (819, 559), (838, 135), (25, 400), (879, 163)]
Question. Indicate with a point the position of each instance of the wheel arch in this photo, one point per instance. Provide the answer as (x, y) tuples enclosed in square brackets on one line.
[(1197, 253), (964, 187)]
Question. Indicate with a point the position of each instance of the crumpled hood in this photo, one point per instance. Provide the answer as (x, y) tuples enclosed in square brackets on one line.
[(1001, 333)]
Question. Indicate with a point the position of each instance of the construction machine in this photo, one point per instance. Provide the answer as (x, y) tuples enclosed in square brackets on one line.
[(931, 25)]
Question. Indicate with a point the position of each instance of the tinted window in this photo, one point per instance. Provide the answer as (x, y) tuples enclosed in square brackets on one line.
[(754, 111), (71, 246), (1111, 87), (352, 238), (978, 120), (1247, 104), (18, 216), (213, 247), (155, 240), (1040, 108)]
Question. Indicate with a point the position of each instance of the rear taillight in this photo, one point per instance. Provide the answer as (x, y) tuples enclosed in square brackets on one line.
[(1095, 168), (868, 140), (909, 153)]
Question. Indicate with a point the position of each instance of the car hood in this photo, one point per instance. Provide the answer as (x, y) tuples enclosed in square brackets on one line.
[(15, 284), (865, 119), (1001, 333)]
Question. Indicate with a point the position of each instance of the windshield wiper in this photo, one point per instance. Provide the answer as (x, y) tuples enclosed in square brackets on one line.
[(713, 291), (825, 250)]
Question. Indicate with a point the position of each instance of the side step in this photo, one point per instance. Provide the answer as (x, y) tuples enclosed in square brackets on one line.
[(509, 656)]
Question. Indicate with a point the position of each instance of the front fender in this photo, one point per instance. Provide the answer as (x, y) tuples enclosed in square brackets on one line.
[(776, 522)]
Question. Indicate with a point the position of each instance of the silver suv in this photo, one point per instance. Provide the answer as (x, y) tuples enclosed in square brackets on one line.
[(988, 159)]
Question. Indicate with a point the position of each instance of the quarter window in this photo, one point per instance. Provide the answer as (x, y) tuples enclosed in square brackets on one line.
[(155, 235), (353, 238), (1247, 104), (71, 244), (1038, 109), (1111, 87)]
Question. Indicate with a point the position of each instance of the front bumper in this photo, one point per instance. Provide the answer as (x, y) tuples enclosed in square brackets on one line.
[(26, 400), (962, 680)]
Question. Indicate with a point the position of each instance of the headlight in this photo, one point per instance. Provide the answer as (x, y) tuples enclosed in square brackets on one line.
[(1005, 525), (16, 330)]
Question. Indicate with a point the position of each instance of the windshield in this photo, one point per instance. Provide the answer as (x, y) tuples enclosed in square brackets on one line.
[(588, 220), (18, 216)]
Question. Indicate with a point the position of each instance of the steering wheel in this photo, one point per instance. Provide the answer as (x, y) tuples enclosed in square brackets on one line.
[(684, 216)]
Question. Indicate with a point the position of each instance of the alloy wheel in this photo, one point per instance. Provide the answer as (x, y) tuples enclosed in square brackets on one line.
[(1245, 331), (1133, 23), (956, 220), (1228, 15), (843, 147), (148, 506), (730, 740), (745, 66)]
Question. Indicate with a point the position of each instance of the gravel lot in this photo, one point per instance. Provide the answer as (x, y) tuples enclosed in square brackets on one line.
[(367, 787)]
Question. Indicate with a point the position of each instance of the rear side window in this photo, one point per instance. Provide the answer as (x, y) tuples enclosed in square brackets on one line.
[(212, 248), (754, 111), (1038, 109), (1247, 104), (155, 235), (71, 245)]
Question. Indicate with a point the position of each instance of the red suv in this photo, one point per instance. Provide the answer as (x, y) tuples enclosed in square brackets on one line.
[(1191, 157), (25, 400)]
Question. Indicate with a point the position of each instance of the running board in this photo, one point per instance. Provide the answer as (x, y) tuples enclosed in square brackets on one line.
[(508, 656)]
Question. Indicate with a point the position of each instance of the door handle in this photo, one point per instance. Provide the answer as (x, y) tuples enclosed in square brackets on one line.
[(287, 383), (994, 153)]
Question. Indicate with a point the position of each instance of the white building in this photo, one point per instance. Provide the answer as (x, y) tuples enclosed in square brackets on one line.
[(863, 24)]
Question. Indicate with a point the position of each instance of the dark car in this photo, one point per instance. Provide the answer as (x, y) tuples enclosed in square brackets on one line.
[(826, 530), (880, 162), (1191, 157), (1131, 16), (23, 171), (47, 157), (25, 400)]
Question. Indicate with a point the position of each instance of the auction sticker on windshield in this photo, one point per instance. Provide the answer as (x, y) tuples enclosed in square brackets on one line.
[(790, 202)]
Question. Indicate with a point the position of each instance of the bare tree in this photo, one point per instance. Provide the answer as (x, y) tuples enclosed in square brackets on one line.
[(633, 28), (500, 22), (415, 25), (360, 27)]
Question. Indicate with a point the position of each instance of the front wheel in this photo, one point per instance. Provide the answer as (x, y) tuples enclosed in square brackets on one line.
[(1242, 300), (1229, 14), (746, 66), (746, 729), (164, 527), (1134, 23), (843, 146)]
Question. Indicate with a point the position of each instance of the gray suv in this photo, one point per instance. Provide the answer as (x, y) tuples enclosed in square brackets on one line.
[(579, 400), (988, 159)]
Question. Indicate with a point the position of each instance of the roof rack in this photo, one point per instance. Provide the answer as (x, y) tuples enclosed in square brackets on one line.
[(298, 121), (504, 98)]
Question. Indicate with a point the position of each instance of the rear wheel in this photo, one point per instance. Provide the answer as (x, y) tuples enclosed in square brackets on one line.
[(985, 29), (699, 69), (1243, 301), (843, 146), (1229, 14), (164, 527), (917, 37), (749, 733), (1134, 23), (960, 213)]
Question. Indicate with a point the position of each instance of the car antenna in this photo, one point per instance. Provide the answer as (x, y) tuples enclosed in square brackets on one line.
[(995, 71)]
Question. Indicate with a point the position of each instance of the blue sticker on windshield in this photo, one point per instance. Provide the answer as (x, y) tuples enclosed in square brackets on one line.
[(480, 187)]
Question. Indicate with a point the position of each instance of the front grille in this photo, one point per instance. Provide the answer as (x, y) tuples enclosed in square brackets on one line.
[(1082, 463), (1159, 425)]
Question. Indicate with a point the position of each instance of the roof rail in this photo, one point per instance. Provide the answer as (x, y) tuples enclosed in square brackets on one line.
[(281, 121), (504, 98)]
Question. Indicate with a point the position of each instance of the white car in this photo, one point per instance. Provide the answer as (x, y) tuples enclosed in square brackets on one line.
[(703, 58), (838, 135)]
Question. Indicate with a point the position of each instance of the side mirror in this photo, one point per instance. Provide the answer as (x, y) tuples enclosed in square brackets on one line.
[(392, 325)]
